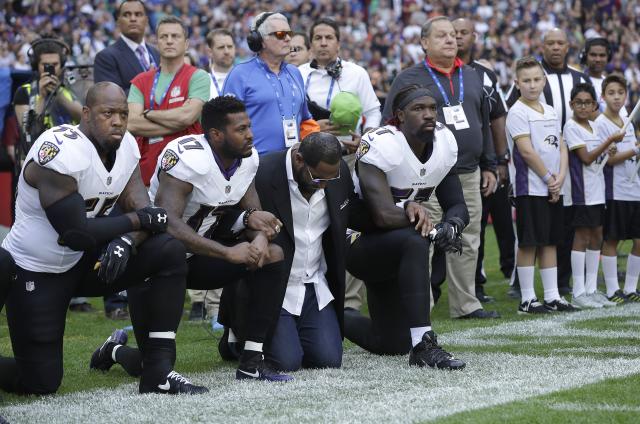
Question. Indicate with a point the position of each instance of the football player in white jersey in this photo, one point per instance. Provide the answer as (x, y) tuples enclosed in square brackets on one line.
[(622, 190), (538, 170), (73, 176), (206, 184), (584, 194), (399, 166)]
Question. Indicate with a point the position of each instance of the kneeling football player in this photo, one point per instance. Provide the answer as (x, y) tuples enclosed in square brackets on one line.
[(72, 178), (206, 184), (399, 166)]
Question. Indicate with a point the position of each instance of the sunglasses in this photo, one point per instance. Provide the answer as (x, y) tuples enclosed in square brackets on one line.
[(281, 35), (321, 180)]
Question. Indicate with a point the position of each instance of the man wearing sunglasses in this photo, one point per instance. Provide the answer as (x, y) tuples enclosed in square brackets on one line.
[(272, 89), (308, 187)]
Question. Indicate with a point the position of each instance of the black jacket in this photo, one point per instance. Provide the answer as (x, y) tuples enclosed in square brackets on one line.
[(119, 64), (345, 210)]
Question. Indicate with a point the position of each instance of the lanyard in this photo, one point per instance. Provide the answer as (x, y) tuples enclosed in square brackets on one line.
[(267, 71), (437, 81), (328, 103), (215, 82), (152, 95)]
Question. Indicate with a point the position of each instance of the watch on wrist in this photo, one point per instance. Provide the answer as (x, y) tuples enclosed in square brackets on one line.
[(145, 113), (504, 158)]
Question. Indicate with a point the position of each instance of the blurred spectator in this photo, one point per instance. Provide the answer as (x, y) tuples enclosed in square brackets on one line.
[(222, 56), (299, 49)]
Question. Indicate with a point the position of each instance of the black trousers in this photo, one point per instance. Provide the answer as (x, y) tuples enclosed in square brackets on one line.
[(563, 251), (498, 206), (37, 307), (395, 270)]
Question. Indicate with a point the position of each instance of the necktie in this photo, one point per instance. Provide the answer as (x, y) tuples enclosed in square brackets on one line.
[(142, 58)]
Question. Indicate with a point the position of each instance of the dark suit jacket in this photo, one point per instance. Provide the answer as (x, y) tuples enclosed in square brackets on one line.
[(119, 64), (345, 209)]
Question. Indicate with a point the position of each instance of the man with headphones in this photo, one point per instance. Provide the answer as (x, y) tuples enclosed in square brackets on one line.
[(271, 89), (45, 102)]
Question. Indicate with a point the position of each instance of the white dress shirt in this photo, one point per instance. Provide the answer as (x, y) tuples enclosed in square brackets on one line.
[(310, 221), (354, 78), (134, 46), (219, 79)]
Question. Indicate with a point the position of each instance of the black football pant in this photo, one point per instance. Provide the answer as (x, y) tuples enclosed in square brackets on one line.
[(499, 207), (395, 270), (563, 252), (7, 272), (37, 305)]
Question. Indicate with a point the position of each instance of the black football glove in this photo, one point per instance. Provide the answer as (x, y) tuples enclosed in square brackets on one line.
[(447, 236), (113, 260), (153, 219)]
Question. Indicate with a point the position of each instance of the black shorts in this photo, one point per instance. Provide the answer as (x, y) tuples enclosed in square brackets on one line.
[(622, 220), (539, 222), (589, 216)]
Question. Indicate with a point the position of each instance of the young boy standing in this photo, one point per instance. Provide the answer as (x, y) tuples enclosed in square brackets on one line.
[(622, 190), (584, 194), (538, 170)]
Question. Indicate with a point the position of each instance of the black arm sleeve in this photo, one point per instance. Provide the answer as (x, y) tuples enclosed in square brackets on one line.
[(69, 218), (451, 199)]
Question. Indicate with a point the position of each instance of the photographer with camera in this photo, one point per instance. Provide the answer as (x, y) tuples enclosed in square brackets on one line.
[(45, 101)]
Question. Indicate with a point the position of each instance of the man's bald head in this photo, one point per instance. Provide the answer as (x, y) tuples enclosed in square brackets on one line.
[(104, 91), (555, 47)]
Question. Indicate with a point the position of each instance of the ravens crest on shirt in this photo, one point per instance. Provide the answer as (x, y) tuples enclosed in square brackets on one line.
[(169, 160), (47, 152)]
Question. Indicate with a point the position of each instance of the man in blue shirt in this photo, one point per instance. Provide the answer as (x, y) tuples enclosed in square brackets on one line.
[(271, 89)]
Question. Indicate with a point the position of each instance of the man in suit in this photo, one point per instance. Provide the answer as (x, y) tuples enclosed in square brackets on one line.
[(308, 187), (130, 55)]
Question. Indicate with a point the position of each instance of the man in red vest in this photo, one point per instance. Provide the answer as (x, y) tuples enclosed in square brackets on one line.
[(166, 103)]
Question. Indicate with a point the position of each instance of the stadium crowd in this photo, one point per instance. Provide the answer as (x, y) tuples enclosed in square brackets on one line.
[(394, 133)]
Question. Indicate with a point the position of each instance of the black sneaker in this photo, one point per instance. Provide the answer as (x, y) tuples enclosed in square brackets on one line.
[(618, 297), (255, 368), (482, 296), (633, 296), (175, 384), (532, 307), (197, 311), (560, 305), (101, 358), (428, 352), (514, 292)]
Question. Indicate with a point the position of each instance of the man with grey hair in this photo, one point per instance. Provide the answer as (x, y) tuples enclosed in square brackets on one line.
[(271, 89), (461, 105)]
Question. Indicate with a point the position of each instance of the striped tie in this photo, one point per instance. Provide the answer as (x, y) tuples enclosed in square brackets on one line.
[(142, 58)]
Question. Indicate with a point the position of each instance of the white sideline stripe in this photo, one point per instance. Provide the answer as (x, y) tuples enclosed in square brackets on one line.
[(577, 406)]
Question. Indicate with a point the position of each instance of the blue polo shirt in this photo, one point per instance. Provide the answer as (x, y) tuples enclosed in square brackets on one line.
[(268, 97)]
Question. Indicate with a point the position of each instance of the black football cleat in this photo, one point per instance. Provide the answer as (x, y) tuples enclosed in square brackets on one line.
[(255, 368), (428, 352), (175, 384), (101, 358)]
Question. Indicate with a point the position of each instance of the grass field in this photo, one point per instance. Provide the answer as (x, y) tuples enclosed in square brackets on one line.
[(582, 367)]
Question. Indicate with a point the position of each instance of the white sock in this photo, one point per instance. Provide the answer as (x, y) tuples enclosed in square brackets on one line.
[(254, 346), (550, 283), (525, 275), (417, 333), (610, 270), (232, 337), (113, 352), (592, 261), (577, 272), (633, 270)]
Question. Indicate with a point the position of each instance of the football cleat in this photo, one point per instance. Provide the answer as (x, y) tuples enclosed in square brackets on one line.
[(633, 296), (101, 358), (585, 302), (428, 352), (560, 305), (532, 307), (175, 384), (601, 299), (618, 297), (256, 369)]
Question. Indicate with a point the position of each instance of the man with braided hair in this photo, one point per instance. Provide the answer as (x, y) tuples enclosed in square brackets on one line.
[(399, 166)]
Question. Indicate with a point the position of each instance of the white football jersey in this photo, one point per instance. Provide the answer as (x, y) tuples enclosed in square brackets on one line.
[(544, 131), (409, 179), (621, 180), (190, 159), (584, 184), (32, 241)]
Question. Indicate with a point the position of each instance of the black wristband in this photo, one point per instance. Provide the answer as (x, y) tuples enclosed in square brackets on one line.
[(245, 218)]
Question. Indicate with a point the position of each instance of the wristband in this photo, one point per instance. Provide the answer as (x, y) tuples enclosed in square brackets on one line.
[(547, 177), (245, 218), (144, 114), (127, 239)]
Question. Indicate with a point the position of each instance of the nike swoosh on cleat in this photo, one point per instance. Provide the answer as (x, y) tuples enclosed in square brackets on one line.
[(165, 386), (250, 374)]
